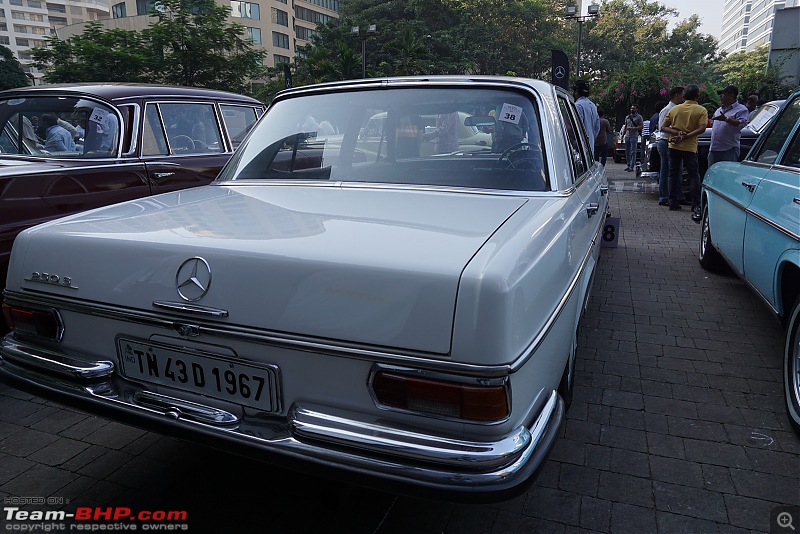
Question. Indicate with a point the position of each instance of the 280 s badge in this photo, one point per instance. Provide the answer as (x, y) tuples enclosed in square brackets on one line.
[(52, 279)]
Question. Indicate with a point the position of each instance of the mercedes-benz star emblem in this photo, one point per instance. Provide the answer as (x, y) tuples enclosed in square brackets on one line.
[(193, 279), (560, 72)]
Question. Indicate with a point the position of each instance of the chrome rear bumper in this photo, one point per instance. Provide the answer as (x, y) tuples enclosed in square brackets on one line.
[(312, 434)]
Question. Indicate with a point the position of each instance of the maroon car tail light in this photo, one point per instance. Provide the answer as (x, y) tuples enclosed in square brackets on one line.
[(441, 397), (44, 323)]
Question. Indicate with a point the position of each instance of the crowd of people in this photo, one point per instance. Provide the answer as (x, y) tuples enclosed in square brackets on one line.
[(677, 124)]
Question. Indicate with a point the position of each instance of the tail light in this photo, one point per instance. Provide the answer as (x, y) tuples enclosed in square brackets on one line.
[(45, 323), (440, 397)]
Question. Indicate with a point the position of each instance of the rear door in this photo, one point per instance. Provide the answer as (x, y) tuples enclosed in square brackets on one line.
[(182, 144)]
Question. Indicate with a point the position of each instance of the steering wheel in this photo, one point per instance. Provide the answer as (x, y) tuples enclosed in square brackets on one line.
[(521, 156), (182, 143)]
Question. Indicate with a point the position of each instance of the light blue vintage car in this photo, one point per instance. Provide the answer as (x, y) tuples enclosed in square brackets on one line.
[(751, 220)]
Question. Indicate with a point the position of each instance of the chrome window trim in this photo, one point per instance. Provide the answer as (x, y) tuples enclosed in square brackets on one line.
[(221, 117), (217, 117), (133, 148), (76, 96)]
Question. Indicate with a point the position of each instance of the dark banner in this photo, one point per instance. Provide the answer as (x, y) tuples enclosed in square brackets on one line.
[(560, 73), (287, 75)]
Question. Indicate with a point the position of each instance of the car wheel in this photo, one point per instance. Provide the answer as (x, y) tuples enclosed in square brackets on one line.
[(710, 258), (791, 368)]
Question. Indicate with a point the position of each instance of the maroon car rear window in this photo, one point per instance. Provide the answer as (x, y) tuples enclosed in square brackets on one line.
[(64, 127)]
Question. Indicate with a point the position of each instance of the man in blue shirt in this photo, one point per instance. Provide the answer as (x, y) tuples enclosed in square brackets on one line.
[(586, 109), (57, 138)]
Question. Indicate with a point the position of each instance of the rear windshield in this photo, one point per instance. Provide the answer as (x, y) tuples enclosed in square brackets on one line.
[(58, 127), (476, 138)]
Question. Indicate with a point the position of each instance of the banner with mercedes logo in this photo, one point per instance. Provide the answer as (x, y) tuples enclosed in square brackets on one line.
[(560, 71)]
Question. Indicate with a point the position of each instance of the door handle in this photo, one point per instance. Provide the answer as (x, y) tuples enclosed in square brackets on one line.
[(592, 209), (750, 187), (603, 190), (796, 200), (161, 175)]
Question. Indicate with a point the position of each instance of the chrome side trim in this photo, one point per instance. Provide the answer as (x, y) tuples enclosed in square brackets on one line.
[(181, 409), (110, 162), (773, 224), (54, 362), (528, 353), (750, 212)]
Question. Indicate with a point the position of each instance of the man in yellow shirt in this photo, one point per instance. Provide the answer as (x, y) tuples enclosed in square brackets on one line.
[(684, 123)]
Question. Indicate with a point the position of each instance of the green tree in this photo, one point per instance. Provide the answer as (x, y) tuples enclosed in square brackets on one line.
[(11, 73), (192, 43), (749, 71), (408, 53), (633, 58), (95, 55)]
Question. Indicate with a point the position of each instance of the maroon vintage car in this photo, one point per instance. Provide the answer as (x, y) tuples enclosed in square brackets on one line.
[(70, 148)]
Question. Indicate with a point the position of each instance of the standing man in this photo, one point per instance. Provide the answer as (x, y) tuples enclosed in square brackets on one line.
[(601, 141), (586, 109), (726, 133), (675, 98), (684, 123), (752, 103), (633, 127)]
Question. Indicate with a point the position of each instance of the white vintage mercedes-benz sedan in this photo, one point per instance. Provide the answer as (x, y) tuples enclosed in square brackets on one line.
[(356, 291)]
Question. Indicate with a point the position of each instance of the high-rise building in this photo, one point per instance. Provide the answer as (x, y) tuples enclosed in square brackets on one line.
[(748, 24), (281, 27), (24, 24)]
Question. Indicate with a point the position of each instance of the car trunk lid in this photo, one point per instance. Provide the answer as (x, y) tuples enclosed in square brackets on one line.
[(352, 264)]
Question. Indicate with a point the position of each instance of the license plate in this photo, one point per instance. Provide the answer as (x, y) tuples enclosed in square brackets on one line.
[(198, 372)]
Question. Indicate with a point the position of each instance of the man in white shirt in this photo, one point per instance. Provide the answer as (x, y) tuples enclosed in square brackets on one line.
[(587, 110)]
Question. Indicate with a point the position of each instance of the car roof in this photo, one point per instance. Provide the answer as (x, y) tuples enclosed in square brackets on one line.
[(112, 91)]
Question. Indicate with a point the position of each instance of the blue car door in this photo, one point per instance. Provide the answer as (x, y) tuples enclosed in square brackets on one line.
[(773, 217)]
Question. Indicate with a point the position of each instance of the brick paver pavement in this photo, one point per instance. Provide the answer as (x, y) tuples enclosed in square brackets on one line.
[(677, 425)]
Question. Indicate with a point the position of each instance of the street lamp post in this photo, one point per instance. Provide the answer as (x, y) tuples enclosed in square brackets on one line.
[(572, 13), (372, 29)]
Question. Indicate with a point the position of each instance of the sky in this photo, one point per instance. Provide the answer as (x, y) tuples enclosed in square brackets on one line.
[(709, 11)]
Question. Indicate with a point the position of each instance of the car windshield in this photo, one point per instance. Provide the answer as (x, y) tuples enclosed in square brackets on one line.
[(459, 137), (45, 126)]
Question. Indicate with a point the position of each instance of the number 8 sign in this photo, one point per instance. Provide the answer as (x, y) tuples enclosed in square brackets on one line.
[(610, 234)]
